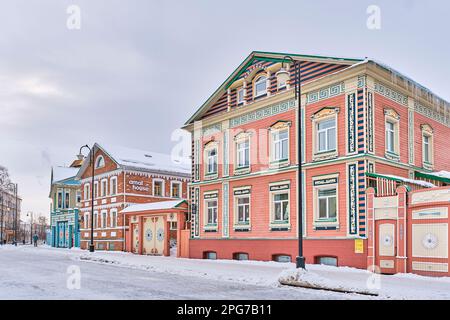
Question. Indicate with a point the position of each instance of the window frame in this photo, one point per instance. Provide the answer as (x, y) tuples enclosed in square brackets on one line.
[(103, 188), (99, 164), (180, 187), (427, 133), (236, 223), (112, 218), (210, 197), (327, 198), (163, 191), (208, 147), (324, 222), (113, 190), (392, 117), (87, 191), (256, 82), (238, 90), (103, 219), (284, 224), (277, 129), (326, 132)]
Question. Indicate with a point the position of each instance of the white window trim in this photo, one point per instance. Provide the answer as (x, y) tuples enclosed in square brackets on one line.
[(390, 115), (86, 220), (272, 222), (78, 196), (103, 223), (427, 131), (257, 80), (111, 186), (321, 116), (96, 190), (236, 223), (208, 147), (111, 218), (87, 191), (237, 96), (59, 195), (100, 157), (321, 222), (180, 189), (207, 226), (240, 138), (277, 128), (163, 187), (95, 217), (103, 184), (66, 205)]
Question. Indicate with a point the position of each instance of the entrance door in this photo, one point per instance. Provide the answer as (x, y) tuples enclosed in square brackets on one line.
[(386, 247), (154, 236), (135, 237), (61, 234)]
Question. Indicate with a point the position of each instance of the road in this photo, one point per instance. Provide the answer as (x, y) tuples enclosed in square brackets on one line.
[(42, 274)]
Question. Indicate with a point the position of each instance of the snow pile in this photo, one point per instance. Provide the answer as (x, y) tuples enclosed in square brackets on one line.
[(442, 174), (311, 279), (416, 182), (248, 272)]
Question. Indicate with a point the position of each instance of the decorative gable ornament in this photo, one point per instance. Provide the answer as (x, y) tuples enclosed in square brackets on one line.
[(391, 113), (281, 124), (325, 112), (426, 129)]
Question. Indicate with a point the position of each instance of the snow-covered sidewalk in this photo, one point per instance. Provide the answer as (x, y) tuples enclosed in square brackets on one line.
[(402, 286)]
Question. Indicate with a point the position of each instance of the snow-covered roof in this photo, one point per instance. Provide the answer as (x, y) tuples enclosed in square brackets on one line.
[(161, 205), (63, 173), (412, 181), (441, 174), (146, 160)]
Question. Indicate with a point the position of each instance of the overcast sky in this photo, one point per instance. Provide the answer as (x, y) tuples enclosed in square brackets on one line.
[(136, 70)]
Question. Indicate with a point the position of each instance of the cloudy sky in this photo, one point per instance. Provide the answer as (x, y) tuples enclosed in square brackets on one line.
[(136, 70)]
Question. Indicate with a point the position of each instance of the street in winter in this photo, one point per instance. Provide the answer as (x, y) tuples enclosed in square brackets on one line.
[(27, 273), (250, 154)]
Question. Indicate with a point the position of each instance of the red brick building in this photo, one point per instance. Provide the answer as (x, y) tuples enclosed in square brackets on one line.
[(124, 177), (359, 118)]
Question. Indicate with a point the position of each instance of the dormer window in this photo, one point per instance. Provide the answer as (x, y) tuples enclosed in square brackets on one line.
[(100, 162), (261, 86), (240, 96)]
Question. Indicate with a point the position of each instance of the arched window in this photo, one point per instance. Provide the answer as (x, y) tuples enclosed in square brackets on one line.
[(261, 86), (100, 162)]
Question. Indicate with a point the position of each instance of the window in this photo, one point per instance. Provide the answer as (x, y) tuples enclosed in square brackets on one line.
[(426, 149), (173, 225), (104, 220), (243, 153), (113, 186), (211, 161), (99, 162), (326, 135), (86, 220), (240, 256), (261, 86), (113, 218), (103, 188), (280, 145), (60, 196), (95, 220), (328, 261), (175, 189), (390, 137), (87, 191), (210, 255), (211, 212), (67, 200), (240, 96), (78, 197), (95, 190), (281, 258), (327, 204), (158, 188), (281, 207), (243, 210)]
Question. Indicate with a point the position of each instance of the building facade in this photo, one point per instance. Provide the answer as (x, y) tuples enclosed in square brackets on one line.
[(125, 177), (65, 195), (10, 208), (358, 118)]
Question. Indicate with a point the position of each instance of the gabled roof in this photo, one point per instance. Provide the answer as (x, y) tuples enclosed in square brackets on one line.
[(152, 206), (141, 160), (63, 174), (278, 57), (265, 56)]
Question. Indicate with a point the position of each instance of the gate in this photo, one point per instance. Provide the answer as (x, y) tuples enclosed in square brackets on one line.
[(154, 236)]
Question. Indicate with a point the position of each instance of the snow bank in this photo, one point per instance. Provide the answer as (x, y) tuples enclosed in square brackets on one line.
[(311, 279)]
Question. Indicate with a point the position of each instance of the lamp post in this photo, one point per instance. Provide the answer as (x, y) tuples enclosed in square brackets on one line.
[(91, 162), (30, 214), (283, 75)]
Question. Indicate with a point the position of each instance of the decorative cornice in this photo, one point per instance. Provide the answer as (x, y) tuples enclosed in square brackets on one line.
[(391, 94), (326, 93), (427, 112)]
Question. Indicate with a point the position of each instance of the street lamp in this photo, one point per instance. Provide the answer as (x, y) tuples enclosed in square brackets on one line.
[(91, 162), (282, 77), (30, 214)]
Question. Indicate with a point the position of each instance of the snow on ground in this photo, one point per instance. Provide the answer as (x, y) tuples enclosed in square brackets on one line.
[(261, 274)]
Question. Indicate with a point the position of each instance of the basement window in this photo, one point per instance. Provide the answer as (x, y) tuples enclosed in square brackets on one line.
[(211, 255), (328, 261), (281, 258), (240, 256)]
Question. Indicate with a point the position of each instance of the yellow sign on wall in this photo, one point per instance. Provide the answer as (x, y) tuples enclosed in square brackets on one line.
[(359, 246)]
